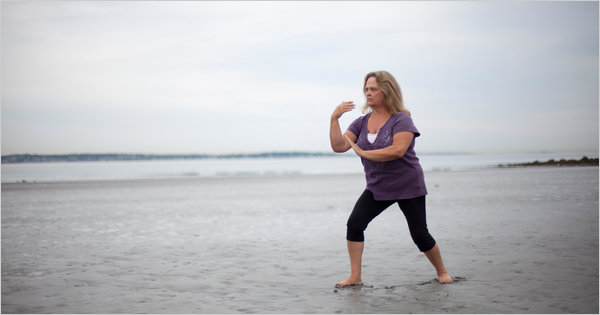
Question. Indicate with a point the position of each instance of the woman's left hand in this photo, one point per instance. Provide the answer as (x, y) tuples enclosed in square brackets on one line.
[(355, 147), (396, 150)]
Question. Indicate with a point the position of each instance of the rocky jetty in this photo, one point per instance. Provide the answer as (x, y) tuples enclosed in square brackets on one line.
[(584, 161)]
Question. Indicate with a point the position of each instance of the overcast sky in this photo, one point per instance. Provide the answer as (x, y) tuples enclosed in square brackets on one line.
[(223, 77)]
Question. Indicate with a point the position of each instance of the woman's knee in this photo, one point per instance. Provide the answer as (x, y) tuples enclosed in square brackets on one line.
[(365, 210), (357, 223), (355, 230)]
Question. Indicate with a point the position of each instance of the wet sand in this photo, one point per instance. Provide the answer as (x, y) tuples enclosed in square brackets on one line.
[(518, 240)]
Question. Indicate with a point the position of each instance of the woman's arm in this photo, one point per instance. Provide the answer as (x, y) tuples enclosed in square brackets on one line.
[(338, 141), (396, 150)]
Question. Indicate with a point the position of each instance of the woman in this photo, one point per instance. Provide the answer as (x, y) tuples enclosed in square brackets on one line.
[(384, 139)]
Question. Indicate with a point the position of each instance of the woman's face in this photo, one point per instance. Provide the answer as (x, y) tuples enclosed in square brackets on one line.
[(375, 96)]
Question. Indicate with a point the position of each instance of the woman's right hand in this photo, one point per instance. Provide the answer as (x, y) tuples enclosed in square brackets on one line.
[(338, 142), (344, 107)]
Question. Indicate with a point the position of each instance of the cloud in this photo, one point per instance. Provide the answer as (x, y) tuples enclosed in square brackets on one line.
[(164, 76)]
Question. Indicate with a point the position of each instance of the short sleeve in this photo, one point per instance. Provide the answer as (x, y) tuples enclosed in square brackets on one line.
[(403, 122), (356, 126)]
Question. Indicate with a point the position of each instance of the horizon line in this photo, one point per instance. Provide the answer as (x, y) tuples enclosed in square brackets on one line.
[(12, 158), (318, 152)]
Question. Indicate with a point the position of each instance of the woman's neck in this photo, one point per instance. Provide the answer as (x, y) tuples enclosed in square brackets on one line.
[(378, 118), (380, 111)]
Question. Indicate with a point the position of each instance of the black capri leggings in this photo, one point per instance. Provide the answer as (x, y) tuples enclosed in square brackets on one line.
[(367, 208)]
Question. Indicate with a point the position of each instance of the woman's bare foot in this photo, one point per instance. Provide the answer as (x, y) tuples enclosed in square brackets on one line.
[(435, 257), (444, 277), (348, 283)]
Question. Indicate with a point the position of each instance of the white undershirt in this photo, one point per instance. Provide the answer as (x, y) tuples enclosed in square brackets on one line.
[(371, 137)]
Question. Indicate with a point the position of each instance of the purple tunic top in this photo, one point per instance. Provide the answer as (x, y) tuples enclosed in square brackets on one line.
[(397, 179)]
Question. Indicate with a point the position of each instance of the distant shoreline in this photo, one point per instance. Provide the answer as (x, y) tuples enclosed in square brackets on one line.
[(584, 161), (108, 157), (41, 158)]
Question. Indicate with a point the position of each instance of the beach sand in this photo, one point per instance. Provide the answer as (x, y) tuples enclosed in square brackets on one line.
[(520, 240)]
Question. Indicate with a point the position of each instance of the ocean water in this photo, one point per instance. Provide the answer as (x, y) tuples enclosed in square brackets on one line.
[(161, 169)]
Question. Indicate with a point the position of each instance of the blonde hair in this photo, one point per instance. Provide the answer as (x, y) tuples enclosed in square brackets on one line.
[(393, 95)]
